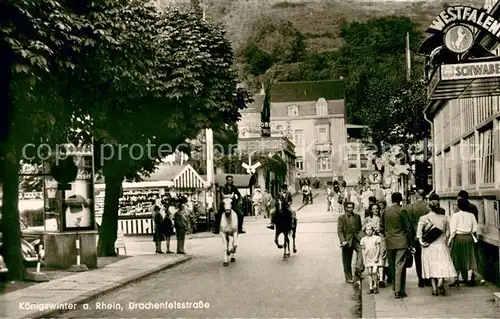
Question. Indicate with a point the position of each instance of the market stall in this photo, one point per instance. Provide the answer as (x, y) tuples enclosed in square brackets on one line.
[(138, 199)]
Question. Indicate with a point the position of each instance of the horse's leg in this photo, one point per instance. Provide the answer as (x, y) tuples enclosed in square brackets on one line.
[(285, 244), (276, 241), (225, 243), (233, 250), (288, 243), (294, 232)]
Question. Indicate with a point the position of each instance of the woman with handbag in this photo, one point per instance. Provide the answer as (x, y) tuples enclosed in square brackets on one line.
[(463, 225), (432, 233)]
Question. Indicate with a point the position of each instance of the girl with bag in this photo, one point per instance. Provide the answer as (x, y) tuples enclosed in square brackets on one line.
[(432, 233)]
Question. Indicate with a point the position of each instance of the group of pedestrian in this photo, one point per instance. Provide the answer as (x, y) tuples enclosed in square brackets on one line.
[(171, 219), (388, 239)]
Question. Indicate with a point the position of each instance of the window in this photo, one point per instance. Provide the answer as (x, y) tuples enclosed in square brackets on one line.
[(298, 137), (458, 164), (299, 164), (447, 169), (322, 134), (487, 165), (469, 156), (293, 110), (322, 107), (352, 161), (324, 164), (364, 160)]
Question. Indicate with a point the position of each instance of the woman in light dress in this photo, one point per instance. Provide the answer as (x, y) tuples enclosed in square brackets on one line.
[(436, 259), (373, 219)]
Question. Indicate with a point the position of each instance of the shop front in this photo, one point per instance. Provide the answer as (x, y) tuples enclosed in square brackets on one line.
[(463, 74), (138, 199)]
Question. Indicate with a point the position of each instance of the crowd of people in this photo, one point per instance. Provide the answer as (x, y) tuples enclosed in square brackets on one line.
[(173, 216), (390, 239)]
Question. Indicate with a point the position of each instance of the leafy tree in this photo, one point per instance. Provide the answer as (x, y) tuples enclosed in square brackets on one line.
[(39, 40), (373, 49), (189, 87), (393, 111)]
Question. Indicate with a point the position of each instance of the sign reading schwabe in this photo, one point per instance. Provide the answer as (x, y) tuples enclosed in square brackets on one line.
[(465, 71), (463, 80), (465, 15)]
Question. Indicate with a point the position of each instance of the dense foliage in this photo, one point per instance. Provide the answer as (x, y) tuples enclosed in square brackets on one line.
[(115, 74)]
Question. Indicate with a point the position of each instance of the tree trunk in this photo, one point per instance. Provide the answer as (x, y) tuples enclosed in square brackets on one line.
[(5, 77), (109, 227), (10, 214)]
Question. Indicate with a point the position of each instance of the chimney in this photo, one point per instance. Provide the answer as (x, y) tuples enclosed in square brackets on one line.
[(262, 90)]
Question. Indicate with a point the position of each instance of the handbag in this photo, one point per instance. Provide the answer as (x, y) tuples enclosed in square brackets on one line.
[(431, 234)]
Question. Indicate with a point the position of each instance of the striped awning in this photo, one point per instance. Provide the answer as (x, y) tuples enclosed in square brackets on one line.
[(188, 178)]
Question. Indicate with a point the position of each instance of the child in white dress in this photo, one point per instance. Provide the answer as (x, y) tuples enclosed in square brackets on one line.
[(370, 246)]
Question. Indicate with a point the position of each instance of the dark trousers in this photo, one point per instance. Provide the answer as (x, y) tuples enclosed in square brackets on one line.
[(418, 261), (180, 234), (397, 260), (347, 260)]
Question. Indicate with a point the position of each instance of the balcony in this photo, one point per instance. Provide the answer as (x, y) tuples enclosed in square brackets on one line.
[(323, 147)]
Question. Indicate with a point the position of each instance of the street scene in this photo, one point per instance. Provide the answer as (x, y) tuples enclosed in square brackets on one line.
[(261, 159)]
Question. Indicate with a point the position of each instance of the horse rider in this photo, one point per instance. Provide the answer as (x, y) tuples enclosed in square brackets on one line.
[(229, 189), (286, 197)]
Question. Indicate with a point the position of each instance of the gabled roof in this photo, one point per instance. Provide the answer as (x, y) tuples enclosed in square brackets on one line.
[(307, 91), (182, 176), (165, 173)]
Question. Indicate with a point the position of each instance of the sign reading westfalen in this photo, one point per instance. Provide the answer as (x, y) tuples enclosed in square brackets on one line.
[(466, 15)]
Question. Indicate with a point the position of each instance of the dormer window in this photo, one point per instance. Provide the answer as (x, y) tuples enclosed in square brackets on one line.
[(322, 107), (293, 110)]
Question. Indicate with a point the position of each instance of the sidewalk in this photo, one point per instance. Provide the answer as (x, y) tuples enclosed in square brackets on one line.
[(82, 287), (463, 302)]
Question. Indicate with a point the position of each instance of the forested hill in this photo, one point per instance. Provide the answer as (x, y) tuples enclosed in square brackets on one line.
[(362, 41)]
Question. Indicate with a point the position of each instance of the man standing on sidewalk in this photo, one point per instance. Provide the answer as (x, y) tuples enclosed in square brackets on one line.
[(349, 232), (417, 210), (395, 224)]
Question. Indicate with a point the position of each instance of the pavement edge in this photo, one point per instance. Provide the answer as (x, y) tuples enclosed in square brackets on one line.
[(88, 296), (367, 303)]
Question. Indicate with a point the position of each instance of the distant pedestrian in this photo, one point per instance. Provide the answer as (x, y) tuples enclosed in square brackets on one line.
[(158, 236), (371, 200), (463, 226), (181, 227), (330, 199), (397, 228), (436, 260), (349, 232), (370, 246), (168, 229)]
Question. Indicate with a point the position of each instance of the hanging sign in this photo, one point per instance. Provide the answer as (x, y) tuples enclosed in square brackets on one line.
[(474, 17)]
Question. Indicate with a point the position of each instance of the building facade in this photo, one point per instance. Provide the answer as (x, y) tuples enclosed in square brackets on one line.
[(312, 116), (268, 147), (465, 111)]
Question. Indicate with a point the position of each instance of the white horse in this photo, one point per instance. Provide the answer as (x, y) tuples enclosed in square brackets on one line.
[(229, 228)]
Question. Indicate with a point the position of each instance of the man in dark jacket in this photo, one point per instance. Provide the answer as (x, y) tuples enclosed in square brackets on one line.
[(287, 200), (417, 210), (463, 194), (349, 232), (228, 189), (395, 223)]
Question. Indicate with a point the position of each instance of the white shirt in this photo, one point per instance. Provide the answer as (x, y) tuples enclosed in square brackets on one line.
[(462, 223)]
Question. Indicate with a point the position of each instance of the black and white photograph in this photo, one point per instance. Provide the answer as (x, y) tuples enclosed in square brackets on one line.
[(250, 159)]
